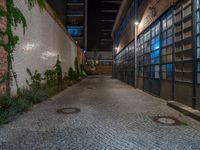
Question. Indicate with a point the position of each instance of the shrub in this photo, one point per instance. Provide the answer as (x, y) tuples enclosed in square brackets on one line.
[(54, 76), (35, 78), (51, 77), (5, 104), (72, 74), (34, 96), (58, 70), (83, 73), (11, 106)]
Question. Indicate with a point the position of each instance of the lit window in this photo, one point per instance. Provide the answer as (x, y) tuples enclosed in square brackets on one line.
[(167, 71), (198, 4), (155, 43)]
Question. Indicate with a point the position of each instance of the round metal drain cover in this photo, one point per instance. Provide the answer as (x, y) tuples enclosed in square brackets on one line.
[(68, 110), (166, 120)]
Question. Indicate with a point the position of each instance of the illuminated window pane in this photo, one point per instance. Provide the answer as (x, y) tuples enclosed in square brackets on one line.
[(155, 43), (198, 16), (198, 41), (198, 28), (198, 52), (198, 4)]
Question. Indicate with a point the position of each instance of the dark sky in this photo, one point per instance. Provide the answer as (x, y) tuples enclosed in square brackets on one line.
[(94, 25), (59, 7)]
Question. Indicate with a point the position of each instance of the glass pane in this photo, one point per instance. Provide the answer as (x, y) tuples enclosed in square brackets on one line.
[(198, 28), (198, 16), (198, 78), (169, 32), (198, 67), (169, 21), (157, 69), (164, 68), (198, 41), (198, 4), (164, 75), (198, 52)]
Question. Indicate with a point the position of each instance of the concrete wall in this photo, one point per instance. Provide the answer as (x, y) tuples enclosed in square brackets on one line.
[(44, 40)]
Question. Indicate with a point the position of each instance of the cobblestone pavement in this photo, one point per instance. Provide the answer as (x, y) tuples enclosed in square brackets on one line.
[(114, 116)]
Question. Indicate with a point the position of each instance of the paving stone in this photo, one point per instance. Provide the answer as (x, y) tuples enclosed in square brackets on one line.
[(113, 116)]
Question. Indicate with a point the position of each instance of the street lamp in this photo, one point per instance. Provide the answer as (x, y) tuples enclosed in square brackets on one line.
[(136, 28), (136, 23)]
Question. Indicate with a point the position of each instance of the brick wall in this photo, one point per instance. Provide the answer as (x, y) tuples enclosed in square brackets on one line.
[(104, 70), (3, 54), (150, 10)]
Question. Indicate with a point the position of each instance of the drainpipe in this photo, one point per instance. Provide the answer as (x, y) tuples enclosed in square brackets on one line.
[(194, 55), (136, 25)]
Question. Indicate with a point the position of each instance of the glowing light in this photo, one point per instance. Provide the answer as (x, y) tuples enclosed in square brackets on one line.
[(136, 23)]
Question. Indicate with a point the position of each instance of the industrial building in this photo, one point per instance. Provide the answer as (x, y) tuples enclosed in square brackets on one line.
[(157, 48)]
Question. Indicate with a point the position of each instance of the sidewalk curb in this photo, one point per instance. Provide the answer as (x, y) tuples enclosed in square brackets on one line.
[(188, 111)]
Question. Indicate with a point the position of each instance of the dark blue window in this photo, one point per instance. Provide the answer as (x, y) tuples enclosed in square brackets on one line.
[(155, 43), (75, 32), (155, 57), (167, 71)]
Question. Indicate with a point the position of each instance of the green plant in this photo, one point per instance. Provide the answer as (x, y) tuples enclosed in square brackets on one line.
[(72, 74), (14, 17), (51, 77), (5, 103), (83, 73), (11, 106), (58, 70), (34, 96), (31, 3), (36, 79), (54, 76)]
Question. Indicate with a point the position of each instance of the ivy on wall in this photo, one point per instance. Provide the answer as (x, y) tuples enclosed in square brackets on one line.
[(14, 17)]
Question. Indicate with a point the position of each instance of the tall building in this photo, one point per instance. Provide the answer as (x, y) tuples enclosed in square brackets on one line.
[(77, 21), (109, 10)]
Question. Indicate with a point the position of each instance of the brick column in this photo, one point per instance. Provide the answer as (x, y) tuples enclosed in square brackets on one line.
[(3, 54)]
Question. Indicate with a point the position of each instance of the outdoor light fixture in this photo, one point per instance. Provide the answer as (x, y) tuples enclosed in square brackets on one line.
[(136, 23)]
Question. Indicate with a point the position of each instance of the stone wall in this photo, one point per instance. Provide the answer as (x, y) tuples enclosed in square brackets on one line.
[(3, 54)]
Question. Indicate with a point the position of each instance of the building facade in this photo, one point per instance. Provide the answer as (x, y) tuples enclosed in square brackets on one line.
[(77, 21), (157, 48), (109, 11)]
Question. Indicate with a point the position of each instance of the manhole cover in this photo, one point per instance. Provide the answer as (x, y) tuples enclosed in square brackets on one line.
[(68, 110), (167, 120)]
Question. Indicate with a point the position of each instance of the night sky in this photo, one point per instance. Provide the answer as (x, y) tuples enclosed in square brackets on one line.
[(94, 25)]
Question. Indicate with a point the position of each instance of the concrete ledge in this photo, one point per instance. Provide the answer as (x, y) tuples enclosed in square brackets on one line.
[(188, 111)]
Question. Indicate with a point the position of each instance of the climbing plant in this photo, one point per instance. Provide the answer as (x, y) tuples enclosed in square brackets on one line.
[(14, 17), (31, 3)]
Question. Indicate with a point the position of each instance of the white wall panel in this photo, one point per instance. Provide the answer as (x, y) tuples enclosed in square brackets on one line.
[(39, 46)]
